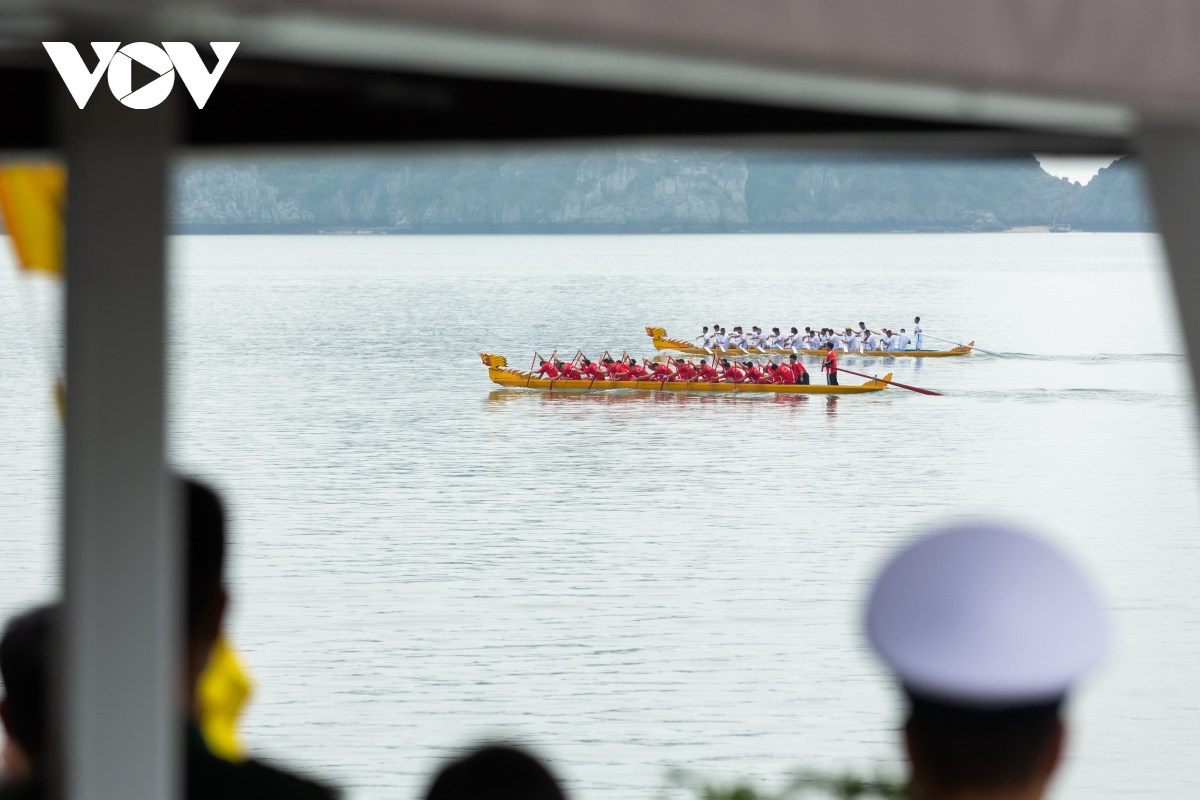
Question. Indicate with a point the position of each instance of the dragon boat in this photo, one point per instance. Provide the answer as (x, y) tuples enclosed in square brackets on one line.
[(501, 373), (659, 337)]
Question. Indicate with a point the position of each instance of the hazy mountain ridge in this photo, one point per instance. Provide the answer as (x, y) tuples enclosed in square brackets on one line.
[(650, 191)]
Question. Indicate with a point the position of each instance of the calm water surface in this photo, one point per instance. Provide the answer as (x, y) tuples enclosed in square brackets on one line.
[(629, 583)]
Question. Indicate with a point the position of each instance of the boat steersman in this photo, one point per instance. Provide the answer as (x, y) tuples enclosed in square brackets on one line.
[(659, 337), (501, 373)]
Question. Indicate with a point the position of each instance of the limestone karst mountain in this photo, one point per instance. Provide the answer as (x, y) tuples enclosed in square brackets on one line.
[(645, 190)]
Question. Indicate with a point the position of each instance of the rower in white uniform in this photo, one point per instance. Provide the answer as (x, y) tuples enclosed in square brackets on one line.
[(917, 331), (893, 341), (904, 340)]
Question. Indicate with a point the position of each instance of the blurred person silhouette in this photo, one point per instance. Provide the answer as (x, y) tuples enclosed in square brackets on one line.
[(25, 652), (208, 776), (987, 628), (24, 668), (495, 772)]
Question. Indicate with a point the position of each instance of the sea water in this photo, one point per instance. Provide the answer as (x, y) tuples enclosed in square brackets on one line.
[(630, 583)]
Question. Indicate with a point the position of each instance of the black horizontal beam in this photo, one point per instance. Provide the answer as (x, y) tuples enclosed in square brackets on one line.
[(275, 103), (261, 103), (26, 102)]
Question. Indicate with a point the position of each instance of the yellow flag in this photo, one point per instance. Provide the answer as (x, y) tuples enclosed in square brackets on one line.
[(31, 197), (222, 692)]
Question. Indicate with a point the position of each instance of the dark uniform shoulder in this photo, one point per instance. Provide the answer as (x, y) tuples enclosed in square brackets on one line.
[(21, 790), (212, 778)]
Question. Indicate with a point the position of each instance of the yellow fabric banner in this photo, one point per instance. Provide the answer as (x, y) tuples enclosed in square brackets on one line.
[(31, 197), (222, 692)]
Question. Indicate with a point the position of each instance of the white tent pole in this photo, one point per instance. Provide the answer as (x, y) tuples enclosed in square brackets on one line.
[(1171, 155), (122, 734)]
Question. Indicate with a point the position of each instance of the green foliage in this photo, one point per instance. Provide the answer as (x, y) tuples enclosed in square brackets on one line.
[(804, 784)]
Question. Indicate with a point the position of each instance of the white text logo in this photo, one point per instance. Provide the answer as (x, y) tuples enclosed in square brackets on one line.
[(118, 61)]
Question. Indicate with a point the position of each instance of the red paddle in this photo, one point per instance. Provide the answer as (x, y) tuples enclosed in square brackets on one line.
[(893, 383)]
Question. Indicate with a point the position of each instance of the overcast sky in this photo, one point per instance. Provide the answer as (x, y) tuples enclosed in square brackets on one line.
[(1080, 169)]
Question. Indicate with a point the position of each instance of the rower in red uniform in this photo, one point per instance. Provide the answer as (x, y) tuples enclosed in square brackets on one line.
[(570, 372), (733, 373), (784, 374), (799, 373), (708, 373), (591, 370), (829, 365), (638, 371), (662, 372), (548, 370), (684, 371), (754, 372)]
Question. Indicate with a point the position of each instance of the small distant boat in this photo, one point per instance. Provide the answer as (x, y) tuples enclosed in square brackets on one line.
[(499, 372), (658, 336), (1060, 227)]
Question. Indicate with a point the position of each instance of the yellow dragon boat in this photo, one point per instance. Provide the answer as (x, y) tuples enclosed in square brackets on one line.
[(499, 372), (659, 337)]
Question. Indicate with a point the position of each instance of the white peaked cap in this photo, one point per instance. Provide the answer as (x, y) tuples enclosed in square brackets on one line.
[(986, 615)]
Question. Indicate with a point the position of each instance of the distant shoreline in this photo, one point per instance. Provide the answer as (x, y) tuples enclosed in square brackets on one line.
[(271, 230)]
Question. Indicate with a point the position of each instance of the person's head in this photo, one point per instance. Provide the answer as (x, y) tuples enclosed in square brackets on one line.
[(794, 331), (902, 330), (774, 330), (584, 361), (916, 319), (722, 331), (986, 683), (543, 362), (204, 519), (725, 363), (496, 772), (792, 358), (25, 652), (862, 324), (956, 749), (705, 329), (829, 346), (703, 362)]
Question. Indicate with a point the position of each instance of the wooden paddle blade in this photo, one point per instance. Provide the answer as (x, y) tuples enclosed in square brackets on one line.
[(917, 389)]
